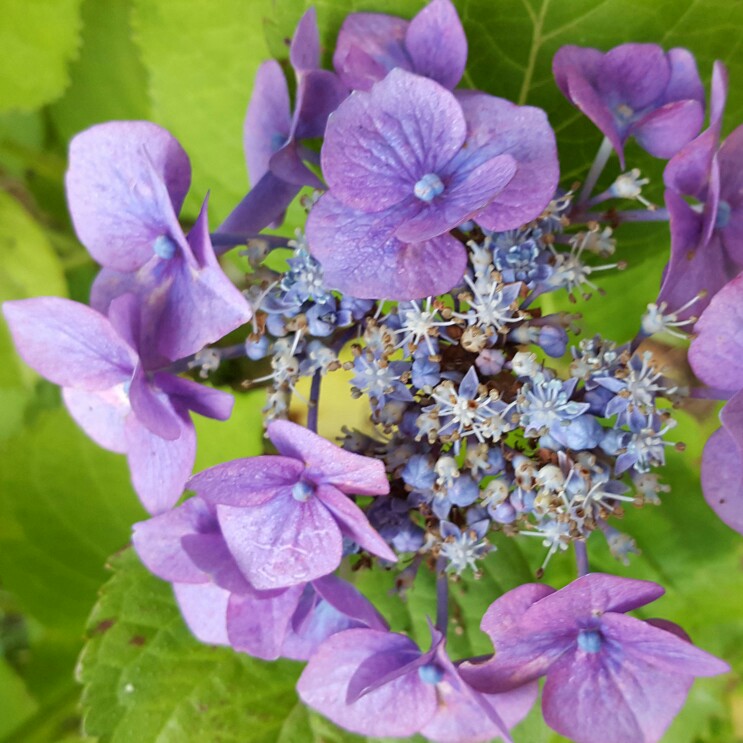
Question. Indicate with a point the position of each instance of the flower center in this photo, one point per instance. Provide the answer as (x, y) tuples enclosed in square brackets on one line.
[(164, 247), (302, 491), (590, 640), (430, 674), (428, 187), (723, 215)]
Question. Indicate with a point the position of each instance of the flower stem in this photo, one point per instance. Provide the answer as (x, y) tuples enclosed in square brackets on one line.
[(442, 596), (599, 162), (312, 412)]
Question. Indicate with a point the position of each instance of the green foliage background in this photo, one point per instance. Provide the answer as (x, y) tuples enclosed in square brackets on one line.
[(66, 506)]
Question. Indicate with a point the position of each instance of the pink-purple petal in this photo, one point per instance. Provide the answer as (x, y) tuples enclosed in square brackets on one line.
[(199, 398), (665, 130), (246, 482), (353, 522), (436, 43), (399, 708), (282, 542), (153, 410), (68, 343), (497, 126), (268, 120), (722, 478), (101, 414), (467, 193), (319, 93), (258, 622), (304, 52), (158, 541), (159, 468), (125, 186), (204, 609), (362, 258), (379, 144), (327, 463), (369, 46)]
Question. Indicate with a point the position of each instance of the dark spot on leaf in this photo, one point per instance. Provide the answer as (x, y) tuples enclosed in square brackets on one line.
[(138, 640), (103, 626)]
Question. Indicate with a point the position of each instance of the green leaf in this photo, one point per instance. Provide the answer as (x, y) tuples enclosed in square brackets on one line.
[(65, 505), (108, 80), (38, 40), (147, 679), (201, 59), (16, 704)]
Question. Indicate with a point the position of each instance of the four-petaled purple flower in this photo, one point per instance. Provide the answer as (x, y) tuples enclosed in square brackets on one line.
[(125, 186), (406, 163), (605, 671), (115, 391), (219, 604), (381, 684), (635, 90), (283, 518), (432, 44)]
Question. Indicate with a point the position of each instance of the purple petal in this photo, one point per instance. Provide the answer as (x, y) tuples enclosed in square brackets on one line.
[(468, 191), (282, 542), (688, 171), (209, 553), (716, 353), (657, 647), (247, 482), (497, 126), (436, 43), (287, 165), (634, 74), (327, 463), (722, 478), (369, 46), (354, 523), (627, 699), (684, 82), (461, 717), (151, 410), (304, 52), (159, 468), (201, 305), (109, 285), (125, 186), (379, 144), (319, 93), (399, 708), (348, 600), (362, 258), (100, 414), (69, 343), (730, 158), (199, 398), (719, 93), (258, 622), (204, 608), (664, 131), (268, 120), (158, 541), (263, 205)]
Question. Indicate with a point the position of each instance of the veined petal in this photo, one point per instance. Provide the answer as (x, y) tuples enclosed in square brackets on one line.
[(354, 523), (125, 186), (436, 43), (68, 343), (369, 46), (247, 482), (327, 463), (379, 144), (159, 468), (282, 542), (362, 258)]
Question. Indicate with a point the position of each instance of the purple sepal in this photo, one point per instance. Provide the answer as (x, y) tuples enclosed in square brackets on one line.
[(635, 90), (204, 607)]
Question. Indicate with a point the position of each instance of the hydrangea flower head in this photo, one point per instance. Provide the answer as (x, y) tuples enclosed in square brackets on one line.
[(605, 671), (126, 183), (432, 44), (635, 90), (114, 391), (381, 684), (284, 517)]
